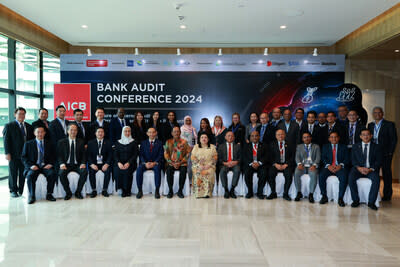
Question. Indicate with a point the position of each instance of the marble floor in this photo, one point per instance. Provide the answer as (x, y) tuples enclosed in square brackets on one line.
[(191, 232)]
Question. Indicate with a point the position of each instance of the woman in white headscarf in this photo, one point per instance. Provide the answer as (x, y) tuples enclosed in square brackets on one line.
[(188, 132), (125, 155)]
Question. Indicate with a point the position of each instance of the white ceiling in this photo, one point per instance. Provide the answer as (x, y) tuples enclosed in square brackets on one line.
[(210, 23)]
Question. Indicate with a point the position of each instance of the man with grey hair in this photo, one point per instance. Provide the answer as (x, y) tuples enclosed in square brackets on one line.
[(384, 133)]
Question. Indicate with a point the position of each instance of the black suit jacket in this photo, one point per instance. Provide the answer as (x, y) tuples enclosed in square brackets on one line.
[(240, 134), (375, 156), (40, 123), (262, 154), (57, 131), (63, 149), (275, 155), (336, 128), (223, 153), (14, 140), (81, 135), (359, 127), (292, 135), (93, 127), (30, 154), (387, 137), (106, 152), (269, 133), (316, 133)]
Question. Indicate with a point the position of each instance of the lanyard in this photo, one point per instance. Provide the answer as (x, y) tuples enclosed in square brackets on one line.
[(234, 128), (307, 150), (377, 128)]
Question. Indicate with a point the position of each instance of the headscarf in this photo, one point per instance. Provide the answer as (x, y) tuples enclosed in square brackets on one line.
[(125, 140), (189, 129), (215, 130)]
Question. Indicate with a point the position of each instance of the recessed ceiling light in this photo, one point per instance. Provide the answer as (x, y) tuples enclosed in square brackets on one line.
[(283, 27), (397, 51), (84, 26), (183, 27), (260, 61)]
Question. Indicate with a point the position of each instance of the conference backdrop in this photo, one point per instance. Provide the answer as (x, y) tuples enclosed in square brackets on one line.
[(203, 85)]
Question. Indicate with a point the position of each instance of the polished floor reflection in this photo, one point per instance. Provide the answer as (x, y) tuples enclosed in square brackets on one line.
[(191, 232)]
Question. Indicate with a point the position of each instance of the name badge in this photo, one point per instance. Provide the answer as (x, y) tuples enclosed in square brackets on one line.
[(99, 159)]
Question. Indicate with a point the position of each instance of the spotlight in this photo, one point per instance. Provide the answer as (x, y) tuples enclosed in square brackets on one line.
[(136, 51), (183, 27), (266, 52), (397, 51), (219, 61), (283, 27), (220, 52), (260, 62), (181, 61), (315, 53), (84, 26), (178, 51), (89, 53)]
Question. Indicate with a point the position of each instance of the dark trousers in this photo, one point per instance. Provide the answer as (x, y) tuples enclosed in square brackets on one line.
[(139, 175), (92, 177), (16, 179), (31, 178), (288, 173), (373, 193), (262, 178), (223, 175), (387, 176), (64, 177), (124, 178), (342, 175), (170, 176)]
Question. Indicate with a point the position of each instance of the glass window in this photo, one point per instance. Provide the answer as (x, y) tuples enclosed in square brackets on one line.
[(49, 104), (3, 120), (3, 62), (51, 73), (27, 68), (31, 104)]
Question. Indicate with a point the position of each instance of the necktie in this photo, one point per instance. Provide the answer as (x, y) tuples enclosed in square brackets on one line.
[(21, 125), (255, 151), (72, 157), (351, 135), (41, 153), (310, 128), (83, 129), (151, 146), (334, 156), (281, 151), (46, 124), (330, 129), (99, 149), (230, 153), (365, 153), (262, 132)]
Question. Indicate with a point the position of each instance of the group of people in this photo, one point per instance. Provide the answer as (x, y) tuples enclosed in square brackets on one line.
[(320, 145)]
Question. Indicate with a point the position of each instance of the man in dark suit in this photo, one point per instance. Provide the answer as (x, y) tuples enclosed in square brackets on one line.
[(384, 133), (332, 126), (290, 127), (299, 117), (343, 112), (99, 157), (83, 128), (166, 128), (43, 122), (321, 119), (15, 134), (276, 118), (71, 156), (282, 159), (335, 158), (255, 159), (367, 159), (38, 157), (311, 127), (58, 126), (151, 158), (266, 130), (116, 126), (229, 160), (353, 129), (99, 122)]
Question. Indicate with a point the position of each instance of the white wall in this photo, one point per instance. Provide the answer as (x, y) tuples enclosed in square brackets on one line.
[(371, 99)]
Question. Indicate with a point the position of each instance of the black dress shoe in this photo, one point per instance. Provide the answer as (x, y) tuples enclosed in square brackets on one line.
[(232, 194), (20, 193), (68, 196), (139, 194), (272, 196), (31, 200), (341, 202), (123, 194), (105, 193), (323, 200), (78, 196), (311, 198), (249, 195), (286, 197), (355, 204), (14, 194), (372, 206), (93, 194), (299, 196), (386, 198), (170, 194), (226, 194), (128, 194), (50, 197), (180, 194), (260, 196), (157, 194)]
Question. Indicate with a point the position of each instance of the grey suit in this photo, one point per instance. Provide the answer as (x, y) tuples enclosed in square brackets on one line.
[(223, 157), (301, 155)]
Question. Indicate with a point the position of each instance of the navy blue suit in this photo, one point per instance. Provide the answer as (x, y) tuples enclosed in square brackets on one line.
[(155, 155), (115, 129), (57, 131), (106, 153), (343, 159), (375, 161)]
